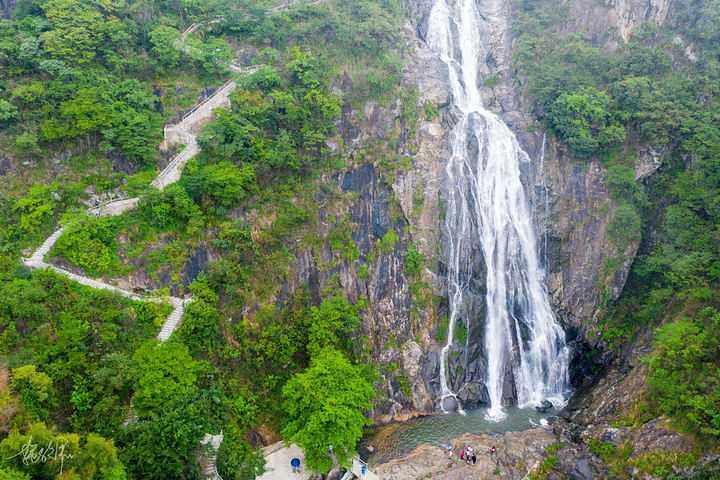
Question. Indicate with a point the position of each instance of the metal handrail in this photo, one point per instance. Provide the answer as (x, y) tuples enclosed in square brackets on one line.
[(196, 107), (105, 204), (175, 162)]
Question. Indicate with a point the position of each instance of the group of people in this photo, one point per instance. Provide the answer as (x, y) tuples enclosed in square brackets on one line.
[(469, 454)]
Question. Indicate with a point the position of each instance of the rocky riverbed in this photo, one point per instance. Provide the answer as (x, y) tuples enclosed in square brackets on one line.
[(517, 453)]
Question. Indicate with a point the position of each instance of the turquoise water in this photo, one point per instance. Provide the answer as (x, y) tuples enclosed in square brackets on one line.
[(399, 439)]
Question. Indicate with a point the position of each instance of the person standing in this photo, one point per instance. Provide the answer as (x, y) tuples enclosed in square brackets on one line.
[(493, 451)]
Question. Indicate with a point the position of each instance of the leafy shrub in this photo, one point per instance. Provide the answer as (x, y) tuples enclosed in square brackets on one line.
[(388, 242), (35, 389), (584, 120), (414, 261), (460, 333), (431, 111), (351, 252), (684, 376), (625, 227), (442, 327), (91, 245)]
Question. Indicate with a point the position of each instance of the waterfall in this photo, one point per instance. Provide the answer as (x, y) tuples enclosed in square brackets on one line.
[(524, 345), (546, 202)]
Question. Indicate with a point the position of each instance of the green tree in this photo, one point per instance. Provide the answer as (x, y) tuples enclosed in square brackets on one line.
[(226, 185), (200, 329), (98, 458), (35, 389), (10, 474), (26, 144), (91, 245), (166, 445), (585, 121), (36, 208), (8, 113), (77, 31), (166, 371), (38, 434), (684, 376), (324, 407), (163, 40), (332, 325), (624, 229)]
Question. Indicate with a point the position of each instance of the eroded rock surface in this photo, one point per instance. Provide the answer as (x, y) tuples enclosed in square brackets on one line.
[(516, 453)]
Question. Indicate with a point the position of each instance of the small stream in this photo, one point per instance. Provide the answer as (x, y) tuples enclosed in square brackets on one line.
[(399, 439)]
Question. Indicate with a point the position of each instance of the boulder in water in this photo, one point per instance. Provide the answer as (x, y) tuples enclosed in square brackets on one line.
[(544, 406), (473, 395), (446, 404)]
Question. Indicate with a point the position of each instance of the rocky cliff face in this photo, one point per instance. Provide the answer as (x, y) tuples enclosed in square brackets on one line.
[(397, 184), (571, 203), (7, 7)]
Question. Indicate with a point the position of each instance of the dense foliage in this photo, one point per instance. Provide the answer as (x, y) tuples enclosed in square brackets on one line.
[(650, 92), (323, 407), (685, 372), (84, 90)]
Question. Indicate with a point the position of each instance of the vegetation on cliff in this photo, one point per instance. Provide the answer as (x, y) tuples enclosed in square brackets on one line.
[(653, 91), (85, 88)]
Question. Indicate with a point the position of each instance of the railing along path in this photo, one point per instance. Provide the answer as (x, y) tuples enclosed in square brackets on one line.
[(170, 174), (178, 133)]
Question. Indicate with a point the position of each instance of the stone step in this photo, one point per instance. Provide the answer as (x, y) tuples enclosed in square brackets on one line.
[(173, 319)]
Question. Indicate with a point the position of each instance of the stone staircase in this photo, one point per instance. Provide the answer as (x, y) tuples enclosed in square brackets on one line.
[(39, 255), (287, 4), (173, 171), (179, 133), (210, 471), (172, 321)]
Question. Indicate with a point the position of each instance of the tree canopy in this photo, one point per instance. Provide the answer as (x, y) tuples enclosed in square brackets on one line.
[(324, 407)]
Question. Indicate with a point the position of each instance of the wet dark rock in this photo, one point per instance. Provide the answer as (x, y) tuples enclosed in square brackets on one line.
[(473, 395), (157, 103), (544, 406), (447, 404), (580, 465), (120, 163)]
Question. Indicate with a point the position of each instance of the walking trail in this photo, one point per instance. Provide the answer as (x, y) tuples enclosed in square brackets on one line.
[(181, 133)]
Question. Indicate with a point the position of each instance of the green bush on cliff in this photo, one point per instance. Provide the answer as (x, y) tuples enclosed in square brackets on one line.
[(414, 262), (91, 245), (684, 375), (388, 242)]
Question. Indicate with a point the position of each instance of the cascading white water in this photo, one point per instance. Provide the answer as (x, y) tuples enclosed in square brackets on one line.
[(486, 204), (546, 201)]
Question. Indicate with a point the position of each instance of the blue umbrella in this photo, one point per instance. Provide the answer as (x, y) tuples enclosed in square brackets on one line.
[(295, 462)]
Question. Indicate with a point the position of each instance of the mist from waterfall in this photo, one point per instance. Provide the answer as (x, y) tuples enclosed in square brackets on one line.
[(487, 205)]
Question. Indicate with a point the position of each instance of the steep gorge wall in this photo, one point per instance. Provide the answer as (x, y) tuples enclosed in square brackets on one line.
[(571, 229), (571, 202), (403, 322)]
